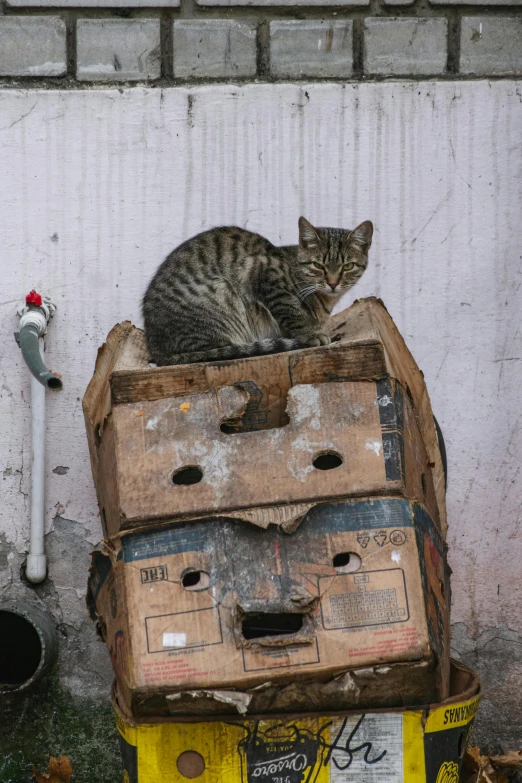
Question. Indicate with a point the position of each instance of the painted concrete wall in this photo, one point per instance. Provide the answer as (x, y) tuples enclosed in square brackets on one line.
[(97, 186)]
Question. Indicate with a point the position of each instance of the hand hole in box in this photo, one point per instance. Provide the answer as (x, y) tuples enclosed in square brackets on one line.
[(423, 483), (347, 562), (271, 624), (191, 474), (230, 427), (193, 579), (461, 748), (97, 435), (190, 764), (327, 460)]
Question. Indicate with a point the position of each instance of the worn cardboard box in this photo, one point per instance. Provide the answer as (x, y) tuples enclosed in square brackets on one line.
[(181, 442), (173, 461), (408, 745), (349, 610)]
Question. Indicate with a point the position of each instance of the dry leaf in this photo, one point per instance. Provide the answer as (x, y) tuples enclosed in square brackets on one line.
[(512, 760), (473, 760), (486, 769), (59, 770)]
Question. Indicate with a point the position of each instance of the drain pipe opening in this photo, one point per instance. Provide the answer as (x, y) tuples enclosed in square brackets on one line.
[(29, 645)]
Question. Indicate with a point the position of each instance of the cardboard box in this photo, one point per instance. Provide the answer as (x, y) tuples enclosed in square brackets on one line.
[(364, 432), (350, 610), (141, 424), (407, 745)]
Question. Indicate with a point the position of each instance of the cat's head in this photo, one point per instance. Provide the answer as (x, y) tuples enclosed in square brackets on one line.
[(332, 259)]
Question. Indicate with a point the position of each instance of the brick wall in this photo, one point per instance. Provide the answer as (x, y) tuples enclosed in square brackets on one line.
[(174, 41)]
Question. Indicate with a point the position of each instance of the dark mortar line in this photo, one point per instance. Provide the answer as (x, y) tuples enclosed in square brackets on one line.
[(263, 50), (358, 48), (70, 42), (86, 13), (376, 9), (166, 46), (72, 84), (454, 28), (189, 10)]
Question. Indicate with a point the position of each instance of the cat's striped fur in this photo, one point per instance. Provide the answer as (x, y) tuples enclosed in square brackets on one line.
[(228, 293)]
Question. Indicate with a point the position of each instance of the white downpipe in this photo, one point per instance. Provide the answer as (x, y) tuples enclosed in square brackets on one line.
[(36, 568), (34, 314)]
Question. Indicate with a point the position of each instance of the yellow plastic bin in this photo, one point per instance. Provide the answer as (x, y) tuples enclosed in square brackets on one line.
[(382, 746)]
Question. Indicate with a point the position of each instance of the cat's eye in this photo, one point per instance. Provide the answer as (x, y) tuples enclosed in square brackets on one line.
[(347, 267), (318, 266)]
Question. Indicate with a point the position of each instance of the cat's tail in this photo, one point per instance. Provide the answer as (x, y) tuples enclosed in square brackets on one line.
[(229, 352)]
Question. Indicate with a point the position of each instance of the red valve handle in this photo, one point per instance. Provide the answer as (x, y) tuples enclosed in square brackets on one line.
[(34, 299)]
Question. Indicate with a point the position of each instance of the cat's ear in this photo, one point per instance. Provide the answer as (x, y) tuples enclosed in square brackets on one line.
[(363, 234), (308, 236)]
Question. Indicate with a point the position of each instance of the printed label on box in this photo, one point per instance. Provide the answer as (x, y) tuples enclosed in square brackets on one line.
[(367, 749), (360, 600), (154, 574), (199, 628), (275, 657), (174, 640)]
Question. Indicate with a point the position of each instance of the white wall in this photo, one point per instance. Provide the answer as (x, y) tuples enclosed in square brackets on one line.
[(97, 186)]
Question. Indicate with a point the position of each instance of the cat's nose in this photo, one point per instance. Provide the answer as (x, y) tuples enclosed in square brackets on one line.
[(333, 286)]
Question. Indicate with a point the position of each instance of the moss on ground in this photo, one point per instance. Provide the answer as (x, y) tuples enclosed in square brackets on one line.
[(46, 721)]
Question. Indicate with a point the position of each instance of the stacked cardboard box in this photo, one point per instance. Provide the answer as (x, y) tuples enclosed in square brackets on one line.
[(274, 529), (275, 546)]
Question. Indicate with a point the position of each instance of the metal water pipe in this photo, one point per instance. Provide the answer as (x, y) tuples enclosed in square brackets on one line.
[(35, 313)]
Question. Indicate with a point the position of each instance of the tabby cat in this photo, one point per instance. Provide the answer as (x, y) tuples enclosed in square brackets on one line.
[(228, 293)]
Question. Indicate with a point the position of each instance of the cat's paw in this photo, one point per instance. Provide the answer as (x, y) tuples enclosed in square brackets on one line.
[(318, 339)]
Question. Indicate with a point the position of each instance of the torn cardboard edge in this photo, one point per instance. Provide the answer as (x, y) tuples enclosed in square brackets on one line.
[(464, 687), (288, 518), (122, 374), (354, 689), (235, 699)]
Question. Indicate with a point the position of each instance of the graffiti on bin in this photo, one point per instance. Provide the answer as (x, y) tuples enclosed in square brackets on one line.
[(287, 753)]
